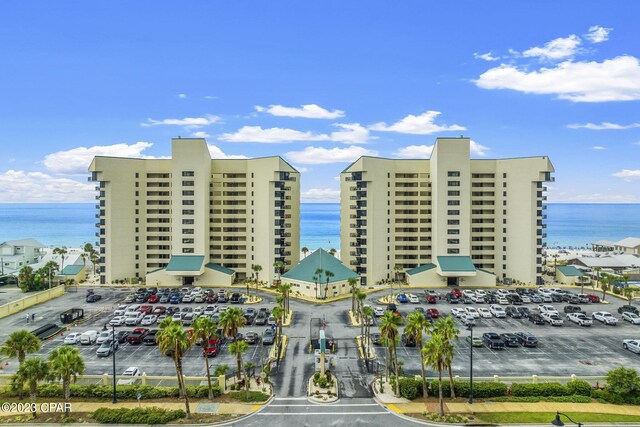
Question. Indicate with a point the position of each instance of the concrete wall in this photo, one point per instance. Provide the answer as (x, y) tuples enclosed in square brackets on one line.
[(30, 300)]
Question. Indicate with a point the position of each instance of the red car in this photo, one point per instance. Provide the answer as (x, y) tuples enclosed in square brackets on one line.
[(433, 313), (153, 299), (146, 309), (456, 292), (137, 335), (159, 310), (431, 299), (593, 298), (213, 347)]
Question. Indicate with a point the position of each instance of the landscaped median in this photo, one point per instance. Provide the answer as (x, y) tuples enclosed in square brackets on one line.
[(273, 354), (372, 353)]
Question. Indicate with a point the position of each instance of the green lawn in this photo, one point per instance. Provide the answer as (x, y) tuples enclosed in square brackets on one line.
[(547, 417)]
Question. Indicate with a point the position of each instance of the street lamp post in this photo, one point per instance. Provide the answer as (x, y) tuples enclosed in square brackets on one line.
[(558, 422), (113, 358), (471, 365)]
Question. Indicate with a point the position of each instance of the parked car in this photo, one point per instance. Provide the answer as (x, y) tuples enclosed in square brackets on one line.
[(402, 298), (524, 312), (137, 335), (537, 319), (268, 337), (451, 299), (605, 317), (150, 338), (413, 299), (222, 298), (535, 299), (72, 338), (631, 317), (121, 336), (131, 375), (130, 298), (188, 319), (457, 312), (106, 348), (493, 341), (376, 339), (484, 313), (593, 298), (514, 299), (471, 311), (153, 299), (175, 299), (579, 319), (546, 308), (628, 308), (93, 298), (497, 311), (252, 337), (235, 298), (456, 292), (475, 342), (510, 340), (631, 345), (513, 312), (573, 309), (583, 299), (149, 320), (159, 310), (408, 341), (467, 320), (527, 339), (164, 299), (553, 319), (103, 336), (378, 311), (134, 319), (172, 310), (213, 348), (211, 309), (117, 321), (433, 313)]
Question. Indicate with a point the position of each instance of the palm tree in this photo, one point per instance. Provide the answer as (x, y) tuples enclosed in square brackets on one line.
[(19, 344), (204, 329), (446, 328), (328, 274), (62, 252), (367, 315), (389, 333), (231, 321), (417, 324), (396, 272), (360, 297), (555, 265), (278, 314), (88, 248), (582, 280), (317, 277), (606, 280), (237, 348), (65, 364), (173, 339), (332, 252), (305, 251), (628, 293), (51, 268), (31, 372), (353, 282), (433, 353), (94, 258), (257, 268), (248, 367), (597, 270), (285, 288), (278, 267)]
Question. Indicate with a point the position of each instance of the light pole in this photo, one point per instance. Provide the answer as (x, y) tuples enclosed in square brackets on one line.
[(558, 421), (113, 358), (470, 327)]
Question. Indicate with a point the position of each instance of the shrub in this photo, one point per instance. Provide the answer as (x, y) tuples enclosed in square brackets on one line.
[(410, 388), (623, 382), (452, 419), (480, 389), (617, 291), (136, 415), (533, 399), (254, 396), (543, 389), (124, 392), (579, 387)]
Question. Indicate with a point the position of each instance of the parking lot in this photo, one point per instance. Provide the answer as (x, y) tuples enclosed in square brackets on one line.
[(562, 350)]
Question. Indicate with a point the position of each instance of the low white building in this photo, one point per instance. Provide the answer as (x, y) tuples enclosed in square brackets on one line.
[(15, 254)]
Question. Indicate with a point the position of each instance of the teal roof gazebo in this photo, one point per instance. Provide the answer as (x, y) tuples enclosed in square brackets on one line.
[(320, 259)]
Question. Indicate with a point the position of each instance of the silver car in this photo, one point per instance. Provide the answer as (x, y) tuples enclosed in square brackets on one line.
[(106, 348), (631, 317), (631, 345)]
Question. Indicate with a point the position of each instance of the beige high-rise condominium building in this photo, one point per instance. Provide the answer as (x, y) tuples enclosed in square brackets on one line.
[(446, 220), (195, 220)]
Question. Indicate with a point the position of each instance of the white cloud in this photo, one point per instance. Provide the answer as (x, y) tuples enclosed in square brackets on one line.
[(200, 134), (414, 152), (210, 97), (309, 111), (301, 169), (37, 187), (477, 149), (216, 153), (350, 133), (616, 79), (321, 155), (598, 34), (485, 56), (320, 195), (636, 143), (188, 122), (182, 95), (77, 160), (559, 48), (271, 135), (603, 126), (628, 174), (422, 124), (598, 147)]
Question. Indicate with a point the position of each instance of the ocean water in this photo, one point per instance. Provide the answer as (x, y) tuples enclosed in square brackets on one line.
[(58, 224)]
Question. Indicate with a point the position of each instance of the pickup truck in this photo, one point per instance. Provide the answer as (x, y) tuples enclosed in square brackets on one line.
[(493, 341), (213, 348), (137, 335)]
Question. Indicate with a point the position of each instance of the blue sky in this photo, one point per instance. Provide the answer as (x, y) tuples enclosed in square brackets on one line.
[(320, 83)]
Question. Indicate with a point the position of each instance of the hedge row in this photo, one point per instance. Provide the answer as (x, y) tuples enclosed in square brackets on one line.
[(533, 399), (136, 415), (124, 392), (578, 387), (606, 396)]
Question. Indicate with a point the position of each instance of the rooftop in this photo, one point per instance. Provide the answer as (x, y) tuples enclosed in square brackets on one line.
[(320, 259), (71, 270), (570, 271), (456, 263), (421, 268), (185, 263)]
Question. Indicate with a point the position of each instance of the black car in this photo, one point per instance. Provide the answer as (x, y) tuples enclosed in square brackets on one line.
[(249, 314), (392, 307), (514, 299), (570, 298), (510, 340), (628, 308), (376, 339), (493, 341), (573, 309), (235, 298), (513, 312), (121, 336), (524, 311), (536, 319), (556, 297), (408, 341), (451, 299), (150, 338), (527, 339), (490, 298), (93, 298)]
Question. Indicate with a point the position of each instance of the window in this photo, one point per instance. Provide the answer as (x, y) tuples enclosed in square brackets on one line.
[(453, 193), (453, 251), (188, 202), (187, 241), (187, 183), (453, 222), (187, 192), (453, 173), (187, 231), (453, 202), (454, 183), (452, 212), (187, 250), (187, 173), (187, 221), (187, 212), (453, 231), (453, 241)]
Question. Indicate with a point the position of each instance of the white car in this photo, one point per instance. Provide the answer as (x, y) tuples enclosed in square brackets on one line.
[(210, 310), (470, 311), (117, 321), (502, 300), (120, 310), (468, 293), (467, 320), (187, 298), (485, 313), (546, 308), (525, 299), (104, 335), (579, 319), (131, 376), (481, 292), (502, 293), (134, 319), (198, 310), (553, 319), (458, 312), (605, 317), (149, 320), (72, 338), (133, 307), (545, 291), (478, 299), (413, 299), (631, 317), (631, 345), (378, 311), (177, 317), (497, 310)]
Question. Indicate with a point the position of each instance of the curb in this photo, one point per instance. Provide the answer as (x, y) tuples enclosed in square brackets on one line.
[(283, 350)]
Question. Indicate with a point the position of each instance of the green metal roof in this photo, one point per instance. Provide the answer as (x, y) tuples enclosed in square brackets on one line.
[(421, 268), (220, 268), (456, 263), (185, 263), (320, 259), (570, 271), (71, 270)]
